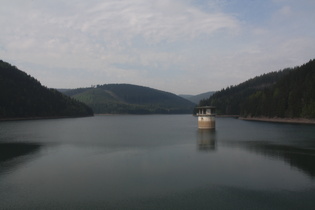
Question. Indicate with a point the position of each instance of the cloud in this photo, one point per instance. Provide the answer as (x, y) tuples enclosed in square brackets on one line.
[(155, 21), (96, 26), (93, 35), (174, 45)]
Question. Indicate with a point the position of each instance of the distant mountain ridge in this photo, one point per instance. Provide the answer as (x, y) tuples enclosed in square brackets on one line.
[(197, 98), (22, 96), (130, 99)]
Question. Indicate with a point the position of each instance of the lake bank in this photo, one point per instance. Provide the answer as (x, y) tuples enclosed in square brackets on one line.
[(280, 120), (228, 116), (39, 118)]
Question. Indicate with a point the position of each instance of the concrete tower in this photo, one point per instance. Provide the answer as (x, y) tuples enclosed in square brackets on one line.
[(206, 117)]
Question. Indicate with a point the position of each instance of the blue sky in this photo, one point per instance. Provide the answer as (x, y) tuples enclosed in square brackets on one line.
[(180, 46)]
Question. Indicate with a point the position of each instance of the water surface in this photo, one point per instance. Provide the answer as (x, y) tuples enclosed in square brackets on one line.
[(155, 162)]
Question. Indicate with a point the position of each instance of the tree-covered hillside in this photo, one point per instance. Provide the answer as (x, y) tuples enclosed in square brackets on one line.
[(288, 93), (292, 97), (22, 96), (130, 99), (229, 101)]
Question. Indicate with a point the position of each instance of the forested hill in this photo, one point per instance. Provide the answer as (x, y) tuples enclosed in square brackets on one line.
[(130, 99), (229, 101), (291, 97), (288, 93), (22, 96)]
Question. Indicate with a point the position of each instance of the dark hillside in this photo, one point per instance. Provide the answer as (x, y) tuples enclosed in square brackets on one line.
[(229, 101), (131, 99), (292, 97), (22, 96), (135, 94)]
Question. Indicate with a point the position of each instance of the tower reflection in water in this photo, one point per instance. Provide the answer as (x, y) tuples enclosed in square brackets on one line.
[(206, 140)]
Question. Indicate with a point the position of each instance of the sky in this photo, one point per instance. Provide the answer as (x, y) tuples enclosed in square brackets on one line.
[(179, 46)]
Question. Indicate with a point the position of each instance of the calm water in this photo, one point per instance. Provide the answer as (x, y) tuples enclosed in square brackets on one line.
[(155, 162)]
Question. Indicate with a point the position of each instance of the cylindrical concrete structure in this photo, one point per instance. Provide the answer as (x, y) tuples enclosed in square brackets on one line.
[(206, 117), (206, 122)]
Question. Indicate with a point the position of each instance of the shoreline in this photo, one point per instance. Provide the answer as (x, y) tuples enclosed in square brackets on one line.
[(280, 120), (40, 118), (228, 116), (258, 119)]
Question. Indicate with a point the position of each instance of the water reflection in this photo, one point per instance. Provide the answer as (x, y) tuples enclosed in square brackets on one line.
[(301, 158), (10, 151), (206, 140)]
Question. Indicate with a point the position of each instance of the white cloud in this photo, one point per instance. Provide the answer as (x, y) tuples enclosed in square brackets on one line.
[(155, 21), (98, 25), (92, 35), (168, 44)]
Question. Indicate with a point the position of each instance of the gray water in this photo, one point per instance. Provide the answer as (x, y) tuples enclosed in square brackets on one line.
[(156, 162)]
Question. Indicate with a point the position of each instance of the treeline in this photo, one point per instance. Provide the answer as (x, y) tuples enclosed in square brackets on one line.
[(292, 97), (131, 99), (289, 93), (123, 108), (230, 100), (22, 96)]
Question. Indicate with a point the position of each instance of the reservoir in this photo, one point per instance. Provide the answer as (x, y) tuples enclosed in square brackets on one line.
[(155, 162)]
